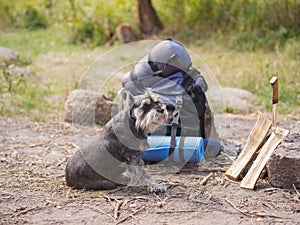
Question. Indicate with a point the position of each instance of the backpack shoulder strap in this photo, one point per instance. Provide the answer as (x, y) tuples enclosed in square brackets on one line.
[(174, 126), (136, 81)]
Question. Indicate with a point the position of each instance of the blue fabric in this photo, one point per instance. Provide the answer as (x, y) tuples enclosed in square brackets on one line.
[(159, 147), (168, 87), (172, 85)]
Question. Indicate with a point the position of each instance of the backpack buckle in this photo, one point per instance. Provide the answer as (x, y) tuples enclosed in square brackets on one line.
[(175, 121), (179, 102)]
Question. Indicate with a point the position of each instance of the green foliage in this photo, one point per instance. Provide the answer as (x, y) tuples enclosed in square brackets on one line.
[(12, 79), (34, 42), (33, 19), (292, 49), (249, 24), (87, 21), (289, 97), (88, 31), (112, 94), (21, 96), (28, 14)]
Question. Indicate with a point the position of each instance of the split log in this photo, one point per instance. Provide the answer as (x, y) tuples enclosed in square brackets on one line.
[(256, 138), (266, 151)]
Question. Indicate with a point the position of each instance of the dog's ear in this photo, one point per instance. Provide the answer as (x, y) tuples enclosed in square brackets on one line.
[(131, 113), (149, 93), (146, 101), (133, 110)]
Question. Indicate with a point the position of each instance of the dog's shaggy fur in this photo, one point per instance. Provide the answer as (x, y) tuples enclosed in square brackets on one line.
[(114, 156)]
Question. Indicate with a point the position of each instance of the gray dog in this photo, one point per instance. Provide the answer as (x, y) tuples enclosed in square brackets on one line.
[(114, 156)]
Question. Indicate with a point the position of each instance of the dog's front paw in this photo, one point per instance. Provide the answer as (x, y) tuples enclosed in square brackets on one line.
[(157, 188)]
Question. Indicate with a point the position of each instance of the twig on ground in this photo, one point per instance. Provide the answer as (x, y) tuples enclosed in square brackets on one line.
[(109, 200), (101, 211), (26, 211), (131, 215), (60, 162), (205, 179), (228, 156), (177, 211), (68, 193), (298, 193), (75, 145), (161, 202), (246, 213), (117, 207), (262, 214), (232, 181), (217, 169), (249, 214)]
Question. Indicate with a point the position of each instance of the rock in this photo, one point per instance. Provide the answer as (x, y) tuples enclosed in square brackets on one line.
[(7, 55), (236, 99), (284, 165), (125, 34), (85, 107), (233, 99)]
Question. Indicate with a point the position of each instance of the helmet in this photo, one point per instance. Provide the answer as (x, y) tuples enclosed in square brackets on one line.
[(169, 56)]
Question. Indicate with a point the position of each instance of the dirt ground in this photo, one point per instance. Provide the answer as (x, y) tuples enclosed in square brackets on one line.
[(33, 191)]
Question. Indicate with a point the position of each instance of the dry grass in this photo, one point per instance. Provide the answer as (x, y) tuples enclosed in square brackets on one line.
[(248, 70), (60, 68), (253, 70)]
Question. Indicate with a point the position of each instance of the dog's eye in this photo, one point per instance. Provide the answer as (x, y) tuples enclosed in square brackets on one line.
[(146, 107)]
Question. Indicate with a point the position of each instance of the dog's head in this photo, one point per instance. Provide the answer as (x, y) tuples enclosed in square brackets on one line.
[(149, 112)]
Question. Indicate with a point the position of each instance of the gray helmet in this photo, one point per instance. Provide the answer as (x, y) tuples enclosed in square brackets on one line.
[(169, 56)]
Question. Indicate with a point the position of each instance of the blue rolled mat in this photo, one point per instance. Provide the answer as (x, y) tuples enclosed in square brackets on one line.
[(187, 149)]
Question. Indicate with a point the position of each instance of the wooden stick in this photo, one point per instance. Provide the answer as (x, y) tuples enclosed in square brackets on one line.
[(205, 179), (98, 210), (27, 210), (266, 151), (296, 190), (236, 208), (116, 209), (131, 215), (109, 200), (249, 214), (177, 211), (274, 83), (255, 139)]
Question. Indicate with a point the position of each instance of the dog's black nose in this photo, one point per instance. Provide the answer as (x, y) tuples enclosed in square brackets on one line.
[(160, 110)]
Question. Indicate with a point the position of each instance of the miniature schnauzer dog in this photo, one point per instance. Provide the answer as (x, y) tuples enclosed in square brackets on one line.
[(113, 157)]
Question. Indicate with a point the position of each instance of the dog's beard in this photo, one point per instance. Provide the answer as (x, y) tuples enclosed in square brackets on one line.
[(150, 121)]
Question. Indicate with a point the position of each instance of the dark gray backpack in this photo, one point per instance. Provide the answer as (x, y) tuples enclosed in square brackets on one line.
[(167, 70)]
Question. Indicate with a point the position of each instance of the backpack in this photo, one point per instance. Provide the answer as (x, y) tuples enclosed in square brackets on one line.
[(167, 70)]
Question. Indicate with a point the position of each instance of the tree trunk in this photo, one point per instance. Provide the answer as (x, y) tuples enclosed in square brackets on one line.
[(148, 21)]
